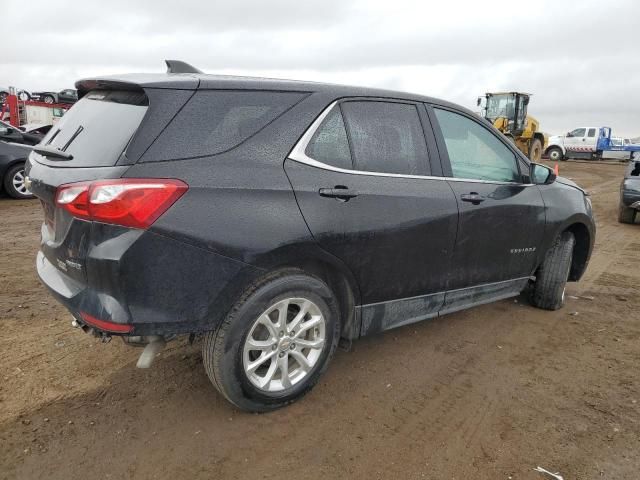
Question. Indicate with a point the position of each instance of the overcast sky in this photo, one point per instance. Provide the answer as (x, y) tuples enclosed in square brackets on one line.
[(579, 58)]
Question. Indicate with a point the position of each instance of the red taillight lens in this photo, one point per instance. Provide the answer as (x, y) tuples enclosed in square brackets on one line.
[(74, 198), (130, 202), (105, 325)]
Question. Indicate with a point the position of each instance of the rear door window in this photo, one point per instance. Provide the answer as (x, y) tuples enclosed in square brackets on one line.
[(329, 144), (215, 121), (386, 137), (591, 133), (97, 129)]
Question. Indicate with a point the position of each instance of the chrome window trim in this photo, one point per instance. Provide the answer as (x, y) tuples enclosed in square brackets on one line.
[(298, 154)]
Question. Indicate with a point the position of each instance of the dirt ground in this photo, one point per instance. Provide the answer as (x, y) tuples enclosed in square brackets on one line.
[(490, 393)]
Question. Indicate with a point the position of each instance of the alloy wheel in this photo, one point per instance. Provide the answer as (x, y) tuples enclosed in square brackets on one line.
[(19, 183), (284, 344)]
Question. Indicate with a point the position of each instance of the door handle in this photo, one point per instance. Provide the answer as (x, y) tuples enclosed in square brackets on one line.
[(339, 191), (473, 197)]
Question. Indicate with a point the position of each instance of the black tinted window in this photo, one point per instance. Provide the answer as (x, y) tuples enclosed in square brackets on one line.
[(97, 129), (475, 152), (215, 121), (329, 144), (386, 137)]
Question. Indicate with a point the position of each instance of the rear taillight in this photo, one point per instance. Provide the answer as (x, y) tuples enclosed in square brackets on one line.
[(105, 324), (130, 202)]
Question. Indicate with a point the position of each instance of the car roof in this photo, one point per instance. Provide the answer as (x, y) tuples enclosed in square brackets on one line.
[(194, 81)]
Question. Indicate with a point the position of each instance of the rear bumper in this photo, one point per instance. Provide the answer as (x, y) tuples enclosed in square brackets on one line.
[(158, 285)]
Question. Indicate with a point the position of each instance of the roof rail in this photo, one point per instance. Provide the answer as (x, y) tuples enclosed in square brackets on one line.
[(178, 66)]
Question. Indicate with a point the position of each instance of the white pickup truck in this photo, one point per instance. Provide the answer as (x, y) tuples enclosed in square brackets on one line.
[(587, 142)]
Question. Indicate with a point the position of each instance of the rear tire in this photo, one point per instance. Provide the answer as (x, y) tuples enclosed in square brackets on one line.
[(555, 154), (253, 330), (535, 151), (14, 182), (48, 99), (552, 275), (626, 214)]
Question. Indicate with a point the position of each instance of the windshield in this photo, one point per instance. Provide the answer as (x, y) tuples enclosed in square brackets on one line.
[(503, 105)]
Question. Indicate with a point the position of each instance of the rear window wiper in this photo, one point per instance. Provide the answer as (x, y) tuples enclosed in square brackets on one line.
[(52, 152)]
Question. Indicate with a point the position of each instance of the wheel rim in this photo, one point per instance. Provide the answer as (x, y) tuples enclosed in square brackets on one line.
[(554, 155), (284, 344), (19, 184), (48, 100)]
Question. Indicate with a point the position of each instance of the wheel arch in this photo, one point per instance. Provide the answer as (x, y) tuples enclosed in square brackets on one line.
[(548, 149), (6, 166), (315, 261), (581, 250)]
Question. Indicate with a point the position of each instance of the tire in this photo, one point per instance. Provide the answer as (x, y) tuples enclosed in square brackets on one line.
[(552, 275), (24, 95), (14, 182), (535, 151), (3, 97), (227, 355), (626, 214), (48, 99), (555, 154)]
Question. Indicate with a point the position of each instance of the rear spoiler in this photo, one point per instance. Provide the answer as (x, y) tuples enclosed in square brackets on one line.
[(140, 81)]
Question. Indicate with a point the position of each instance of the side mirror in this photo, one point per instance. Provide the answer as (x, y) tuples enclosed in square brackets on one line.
[(541, 174), (479, 101)]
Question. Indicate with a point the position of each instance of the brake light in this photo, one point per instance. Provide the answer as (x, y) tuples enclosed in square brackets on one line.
[(105, 325), (130, 202)]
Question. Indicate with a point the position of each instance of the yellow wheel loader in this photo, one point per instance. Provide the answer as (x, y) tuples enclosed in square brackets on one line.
[(507, 111)]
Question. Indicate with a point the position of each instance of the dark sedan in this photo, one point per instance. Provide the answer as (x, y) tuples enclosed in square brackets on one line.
[(14, 150), (64, 96)]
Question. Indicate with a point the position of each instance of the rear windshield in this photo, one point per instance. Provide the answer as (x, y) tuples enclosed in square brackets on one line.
[(215, 121), (97, 129)]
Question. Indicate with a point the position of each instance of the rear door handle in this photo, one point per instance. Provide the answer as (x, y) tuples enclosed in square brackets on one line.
[(339, 191), (473, 197)]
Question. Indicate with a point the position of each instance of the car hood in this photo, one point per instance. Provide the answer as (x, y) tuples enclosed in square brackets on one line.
[(555, 139)]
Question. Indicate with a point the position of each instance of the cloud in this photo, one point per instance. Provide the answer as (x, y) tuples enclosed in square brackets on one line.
[(578, 59)]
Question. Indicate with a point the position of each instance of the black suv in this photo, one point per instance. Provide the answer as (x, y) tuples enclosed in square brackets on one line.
[(275, 217), (630, 193)]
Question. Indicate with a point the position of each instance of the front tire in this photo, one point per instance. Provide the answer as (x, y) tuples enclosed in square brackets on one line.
[(48, 99), (275, 343), (14, 182), (535, 151), (555, 154), (552, 275), (626, 214)]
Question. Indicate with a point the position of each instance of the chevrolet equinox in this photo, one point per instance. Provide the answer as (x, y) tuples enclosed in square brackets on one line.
[(275, 217)]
